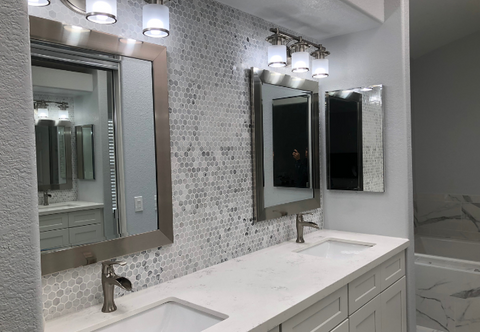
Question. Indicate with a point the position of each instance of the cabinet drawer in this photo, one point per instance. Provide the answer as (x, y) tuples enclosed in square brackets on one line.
[(392, 270), (82, 218), (342, 327), (86, 234), (54, 239), (368, 318), (363, 289), (322, 316), (53, 221)]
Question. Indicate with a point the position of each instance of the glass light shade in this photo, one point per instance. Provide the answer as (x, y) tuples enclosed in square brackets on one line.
[(101, 11), (277, 56), (156, 21), (38, 3), (42, 113), (63, 115), (320, 68), (300, 62)]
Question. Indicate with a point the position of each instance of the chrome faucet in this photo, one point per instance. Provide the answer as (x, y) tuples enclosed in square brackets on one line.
[(300, 224), (109, 281), (46, 195)]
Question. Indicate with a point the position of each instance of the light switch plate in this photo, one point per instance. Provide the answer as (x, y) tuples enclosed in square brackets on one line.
[(138, 203)]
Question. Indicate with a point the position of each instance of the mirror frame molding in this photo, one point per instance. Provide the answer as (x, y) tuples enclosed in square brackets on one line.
[(257, 78), (49, 31)]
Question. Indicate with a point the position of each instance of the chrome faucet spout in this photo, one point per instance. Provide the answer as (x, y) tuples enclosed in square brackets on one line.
[(109, 281), (300, 223)]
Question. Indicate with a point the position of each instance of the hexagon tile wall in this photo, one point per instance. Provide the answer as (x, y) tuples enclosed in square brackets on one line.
[(210, 47)]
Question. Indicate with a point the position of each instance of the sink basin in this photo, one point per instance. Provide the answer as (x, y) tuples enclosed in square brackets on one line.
[(58, 205), (171, 316), (336, 249)]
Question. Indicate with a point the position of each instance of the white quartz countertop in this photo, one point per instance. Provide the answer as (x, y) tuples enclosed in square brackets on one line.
[(66, 207), (257, 291)]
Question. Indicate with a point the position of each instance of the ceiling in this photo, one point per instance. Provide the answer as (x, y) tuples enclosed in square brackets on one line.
[(312, 19), (436, 23)]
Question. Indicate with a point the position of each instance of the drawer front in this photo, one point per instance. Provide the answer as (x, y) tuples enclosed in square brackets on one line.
[(54, 239), (368, 318), (342, 327), (276, 329), (87, 217), (53, 221), (363, 289), (392, 270), (86, 234), (394, 307), (323, 316)]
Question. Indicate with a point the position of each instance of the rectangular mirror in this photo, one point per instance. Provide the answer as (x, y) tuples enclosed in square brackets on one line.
[(120, 153), (85, 152), (354, 122), (286, 158)]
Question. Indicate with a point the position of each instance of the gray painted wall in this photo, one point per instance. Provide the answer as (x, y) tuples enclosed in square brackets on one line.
[(20, 294), (446, 120), (378, 56)]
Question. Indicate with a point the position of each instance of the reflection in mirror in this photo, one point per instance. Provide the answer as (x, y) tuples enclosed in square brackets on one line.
[(285, 111), (53, 149), (354, 121), (85, 152)]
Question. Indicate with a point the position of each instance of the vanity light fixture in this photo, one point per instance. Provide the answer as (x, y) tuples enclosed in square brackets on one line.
[(280, 50), (38, 3), (42, 109), (156, 19), (277, 52), (101, 11), (63, 113), (319, 63)]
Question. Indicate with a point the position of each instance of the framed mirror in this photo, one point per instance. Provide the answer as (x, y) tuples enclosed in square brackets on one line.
[(354, 139), (286, 144), (121, 169)]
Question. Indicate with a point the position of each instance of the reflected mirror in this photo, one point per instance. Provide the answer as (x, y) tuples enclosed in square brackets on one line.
[(85, 155), (354, 122), (285, 113), (118, 159)]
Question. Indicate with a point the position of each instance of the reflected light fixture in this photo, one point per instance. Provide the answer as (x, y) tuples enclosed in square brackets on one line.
[(63, 112), (300, 57), (320, 63), (101, 11), (277, 52), (42, 109), (156, 19), (38, 3)]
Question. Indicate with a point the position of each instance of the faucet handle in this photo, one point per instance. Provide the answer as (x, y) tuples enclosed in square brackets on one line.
[(107, 266)]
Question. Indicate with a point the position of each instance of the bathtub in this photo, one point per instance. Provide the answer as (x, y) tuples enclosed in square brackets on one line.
[(448, 284)]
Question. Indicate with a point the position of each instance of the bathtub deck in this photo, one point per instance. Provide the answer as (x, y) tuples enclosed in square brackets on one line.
[(426, 329)]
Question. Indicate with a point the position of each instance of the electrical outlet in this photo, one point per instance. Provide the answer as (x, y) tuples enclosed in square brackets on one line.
[(138, 203)]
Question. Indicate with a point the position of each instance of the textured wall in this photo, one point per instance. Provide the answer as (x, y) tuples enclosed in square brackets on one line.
[(379, 56), (209, 49), (20, 308)]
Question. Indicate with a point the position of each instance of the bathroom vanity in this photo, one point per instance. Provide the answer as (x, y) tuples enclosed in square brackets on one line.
[(70, 223), (336, 281)]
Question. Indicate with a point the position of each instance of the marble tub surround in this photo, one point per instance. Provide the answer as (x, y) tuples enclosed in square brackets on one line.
[(66, 207), (448, 294), (257, 292), (448, 216)]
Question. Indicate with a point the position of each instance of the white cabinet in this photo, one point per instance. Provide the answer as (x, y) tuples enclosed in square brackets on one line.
[(376, 303), (276, 329), (368, 318), (71, 228), (393, 304), (323, 316)]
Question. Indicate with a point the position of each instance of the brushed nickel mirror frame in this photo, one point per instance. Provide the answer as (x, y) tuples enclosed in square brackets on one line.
[(44, 30), (259, 77)]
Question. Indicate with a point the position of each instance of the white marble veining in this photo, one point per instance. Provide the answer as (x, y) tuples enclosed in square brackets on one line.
[(257, 292), (66, 207)]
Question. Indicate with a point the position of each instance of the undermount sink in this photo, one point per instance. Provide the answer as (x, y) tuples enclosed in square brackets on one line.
[(169, 316), (336, 249)]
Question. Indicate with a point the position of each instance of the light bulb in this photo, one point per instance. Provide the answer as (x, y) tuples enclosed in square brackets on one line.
[(101, 11), (277, 56), (38, 3), (156, 21), (300, 62), (320, 68)]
